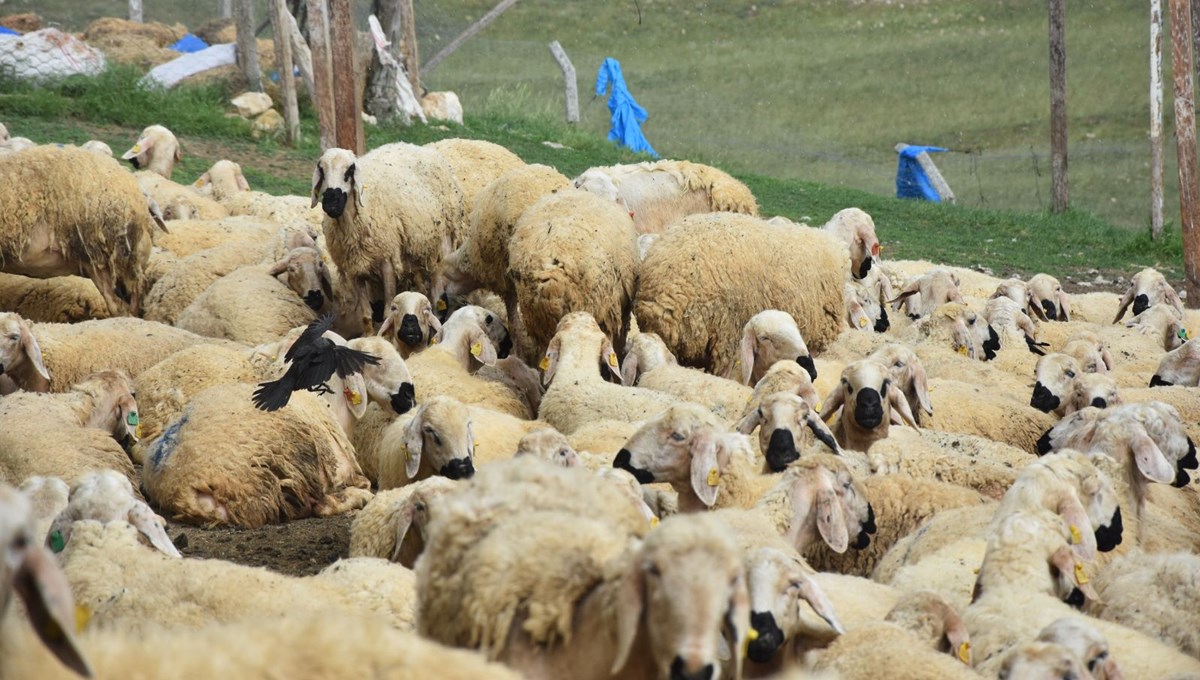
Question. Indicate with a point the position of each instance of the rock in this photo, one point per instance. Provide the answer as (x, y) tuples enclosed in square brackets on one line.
[(369, 119), (22, 23), (268, 122), (251, 104)]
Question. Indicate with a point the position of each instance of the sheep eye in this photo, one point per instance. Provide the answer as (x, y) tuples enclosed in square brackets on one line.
[(488, 319), (420, 507), (20, 542), (899, 364), (1070, 374), (653, 570), (395, 308), (436, 439), (676, 436), (14, 337)]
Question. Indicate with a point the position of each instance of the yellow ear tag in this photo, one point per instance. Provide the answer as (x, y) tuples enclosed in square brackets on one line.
[(137, 148), (352, 396), (544, 364), (433, 340), (199, 182), (137, 431), (714, 477), (964, 653), (82, 616), (654, 522), (476, 349), (752, 634), (962, 351), (441, 305), (405, 450), (1081, 576), (862, 322), (612, 359), (819, 406), (1076, 539)]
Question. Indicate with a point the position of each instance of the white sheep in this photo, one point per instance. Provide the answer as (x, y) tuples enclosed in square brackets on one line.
[(156, 150), (107, 496), (856, 229), (1047, 298), (1180, 366), (61, 299), (476, 164), (866, 397), (649, 364), (924, 294), (1162, 323), (392, 526), (1146, 289), (768, 337), (782, 419), (410, 323), (47, 496)]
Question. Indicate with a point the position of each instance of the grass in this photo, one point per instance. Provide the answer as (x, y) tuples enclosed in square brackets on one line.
[(114, 109)]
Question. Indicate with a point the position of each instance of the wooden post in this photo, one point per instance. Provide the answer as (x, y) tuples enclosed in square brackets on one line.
[(318, 38), (225, 8), (1058, 104), (135, 10), (283, 62), (1185, 145), (568, 69), (466, 35), (931, 171), (412, 65), (301, 55), (1156, 120), (247, 48), (347, 103)]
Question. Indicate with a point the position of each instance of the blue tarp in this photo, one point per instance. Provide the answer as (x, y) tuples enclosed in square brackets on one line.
[(189, 43), (626, 113), (7, 31), (911, 180)]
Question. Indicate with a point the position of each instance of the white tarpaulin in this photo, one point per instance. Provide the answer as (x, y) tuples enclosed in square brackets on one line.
[(48, 53), (170, 73)]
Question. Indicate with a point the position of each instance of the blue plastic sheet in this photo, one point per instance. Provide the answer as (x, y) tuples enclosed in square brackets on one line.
[(627, 115), (911, 180), (7, 31), (189, 43)]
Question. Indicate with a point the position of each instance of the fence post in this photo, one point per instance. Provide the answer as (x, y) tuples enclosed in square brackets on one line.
[(412, 65), (318, 38), (283, 63), (466, 35), (1058, 104), (135, 10), (1185, 145), (568, 69), (1156, 121), (247, 47), (347, 102), (225, 8)]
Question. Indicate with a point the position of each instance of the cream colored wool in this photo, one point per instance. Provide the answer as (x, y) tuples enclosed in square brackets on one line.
[(178, 202), (193, 235), (476, 164), (61, 299), (247, 305), (182, 283)]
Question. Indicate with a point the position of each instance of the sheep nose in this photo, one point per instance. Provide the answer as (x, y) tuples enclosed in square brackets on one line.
[(806, 362), (404, 398), (1043, 399), (868, 411), (506, 345), (624, 461), (1051, 311), (1109, 537), (882, 325), (1099, 402), (1, 369), (769, 639), (1044, 445), (678, 673), (991, 345), (864, 268), (781, 450), (314, 299), (1140, 304), (410, 330), (1188, 462), (333, 202), (1181, 479), (1157, 381), (459, 468), (1076, 598), (864, 533)]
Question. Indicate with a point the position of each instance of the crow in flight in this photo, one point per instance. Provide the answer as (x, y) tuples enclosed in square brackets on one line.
[(314, 359)]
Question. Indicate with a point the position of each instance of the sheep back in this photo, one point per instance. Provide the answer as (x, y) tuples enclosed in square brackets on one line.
[(476, 163), (62, 299), (182, 283), (249, 306)]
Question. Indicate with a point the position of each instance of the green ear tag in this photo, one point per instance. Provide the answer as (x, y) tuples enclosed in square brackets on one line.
[(1183, 334), (56, 541), (132, 419)]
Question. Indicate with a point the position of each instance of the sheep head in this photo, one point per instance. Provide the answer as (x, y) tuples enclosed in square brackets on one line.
[(578, 341), (1086, 643), (680, 447), (1047, 298), (933, 621), (412, 512), (1180, 366), (334, 181), (388, 382), (1031, 547), (1069, 483), (411, 319), (1091, 389), (307, 276), (1146, 289), (107, 496), (784, 376), (866, 395), (20, 354), (644, 352), (857, 230), (768, 337), (441, 431), (779, 584), (223, 180), (1055, 375), (156, 150), (550, 445), (908, 373), (114, 408), (935, 287), (781, 419)]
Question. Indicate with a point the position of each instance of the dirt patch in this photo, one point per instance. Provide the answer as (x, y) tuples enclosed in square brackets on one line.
[(299, 548)]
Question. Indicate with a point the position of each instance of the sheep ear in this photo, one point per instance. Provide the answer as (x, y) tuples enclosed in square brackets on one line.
[(1172, 297), (737, 623), (1072, 573), (202, 180), (327, 284), (816, 598), (962, 338), (956, 634), (822, 432), (414, 438), (706, 472), (750, 420), (1032, 303), (404, 519), (127, 414), (1107, 359), (145, 521), (354, 391), (318, 179), (1083, 534), (1125, 302), (47, 596), (482, 348), (1150, 459), (549, 363), (278, 268), (178, 153), (435, 326), (746, 353), (899, 404), (831, 520), (1064, 305), (856, 314), (631, 602), (386, 326), (921, 384), (242, 184), (908, 291), (834, 401), (609, 356), (629, 368), (139, 147), (32, 351)]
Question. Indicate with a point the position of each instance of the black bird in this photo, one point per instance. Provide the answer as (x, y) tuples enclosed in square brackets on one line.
[(314, 359)]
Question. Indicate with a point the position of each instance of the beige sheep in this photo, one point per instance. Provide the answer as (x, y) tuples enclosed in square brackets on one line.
[(1047, 298), (924, 294), (1146, 289), (392, 526), (410, 323), (866, 397), (649, 364), (856, 229), (189, 236), (768, 337), (61, 299), (476, 164), (698, 295), (1180, 366), (1162, 323), (156, 150), (782, 419)]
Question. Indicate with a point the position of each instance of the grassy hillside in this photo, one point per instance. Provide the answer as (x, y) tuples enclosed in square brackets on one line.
[(112, 108), (820, 90)]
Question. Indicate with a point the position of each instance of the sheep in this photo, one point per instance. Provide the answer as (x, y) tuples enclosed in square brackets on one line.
[(1085, 643), (1047, 299), (70, 211), (978, 408), (1160, 321), (908, 374), (178, 202), (1180, 366), (392, 526), (225, 183), (856, 229), (156, 150), (780, 418), (550, 445), (577, 393), (1090, 351), (573, 252), (47, 497), (61, 299), (1038, 659), (866, 386), (865, 304), (921, 637), (783, 376), (649, 364), (471, 334), (482, 259), (397, 234), (1054, 382), (1146, 289), (292, 463), (660, 194), (410, 323), (1027, 572), (956, 326), (104, 496), (4, 136), (306, 644), (65, 435), (932, 289), (697, 298), (1012, 324), (476, 163), (183, 282), (1151, 593), (572, 588), (768, 337), (189, 236)]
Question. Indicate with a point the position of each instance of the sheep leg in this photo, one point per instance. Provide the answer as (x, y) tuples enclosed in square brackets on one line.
[(349, 498), (388, 273), (516, 330), (363, 304)]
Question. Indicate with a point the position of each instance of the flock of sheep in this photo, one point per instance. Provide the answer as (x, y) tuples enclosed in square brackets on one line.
[(618, 426)]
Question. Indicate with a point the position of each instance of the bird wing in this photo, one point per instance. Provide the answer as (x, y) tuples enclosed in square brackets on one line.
[(274, 395), (310, 335), (319, 368), (351, 360)]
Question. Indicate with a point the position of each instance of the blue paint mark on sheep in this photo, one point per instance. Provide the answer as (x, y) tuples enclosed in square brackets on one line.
[(166, 443)]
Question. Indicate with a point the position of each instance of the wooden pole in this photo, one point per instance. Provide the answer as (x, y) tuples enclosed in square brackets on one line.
[(283, 62), (318, 38), (1058, 104), (347, 103), (412, 64), (301, 55), (135, 10), (466, 35), (225, 8), (1156, 120), (1185, 145), (568, 69), (247, 48)]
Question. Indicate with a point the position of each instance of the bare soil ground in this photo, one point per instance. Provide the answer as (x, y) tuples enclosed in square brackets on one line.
[(298, 548)]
